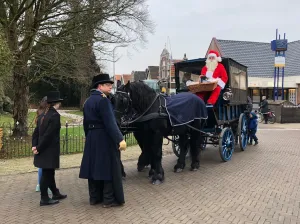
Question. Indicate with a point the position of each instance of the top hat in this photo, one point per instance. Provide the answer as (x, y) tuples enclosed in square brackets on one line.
[(101, 79), (53, 97)]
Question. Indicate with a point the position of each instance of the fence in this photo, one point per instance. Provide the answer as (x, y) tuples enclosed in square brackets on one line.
[(71, 136), (285, 113), (290, 114)]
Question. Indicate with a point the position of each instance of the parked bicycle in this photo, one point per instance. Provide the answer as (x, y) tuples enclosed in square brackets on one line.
[(271, 117)]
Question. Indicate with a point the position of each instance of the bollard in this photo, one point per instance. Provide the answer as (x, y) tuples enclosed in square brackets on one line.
[(1, 136), (67, 137)]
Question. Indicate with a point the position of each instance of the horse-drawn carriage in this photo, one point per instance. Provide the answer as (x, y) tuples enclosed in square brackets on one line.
[(153, 116), (227, 120)]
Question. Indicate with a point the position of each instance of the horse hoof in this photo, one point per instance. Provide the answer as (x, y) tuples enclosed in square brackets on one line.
[(194, 169), (140, 168), (178, 170), (157, 182)]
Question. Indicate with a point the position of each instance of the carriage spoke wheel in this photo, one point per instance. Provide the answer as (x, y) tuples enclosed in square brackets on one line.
[(176, 147), (243, 132), (226, 144)]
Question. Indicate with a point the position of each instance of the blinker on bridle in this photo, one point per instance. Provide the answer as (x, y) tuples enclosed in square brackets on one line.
[(127, 97)]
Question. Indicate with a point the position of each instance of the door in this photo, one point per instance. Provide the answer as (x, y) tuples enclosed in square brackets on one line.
[(292, 96)]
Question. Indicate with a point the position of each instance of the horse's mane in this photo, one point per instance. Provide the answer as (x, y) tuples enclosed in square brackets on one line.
[(142, 96)]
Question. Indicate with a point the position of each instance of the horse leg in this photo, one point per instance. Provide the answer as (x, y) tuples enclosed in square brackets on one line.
[(144, 158), (196, 141), (183, 140), (145, 144), (143, 161), (156, 158)]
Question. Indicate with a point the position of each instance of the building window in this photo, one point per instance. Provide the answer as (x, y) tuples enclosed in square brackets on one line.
[(255, 95)]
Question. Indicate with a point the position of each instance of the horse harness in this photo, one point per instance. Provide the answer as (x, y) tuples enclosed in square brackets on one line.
[(154, 115), (147, 117)]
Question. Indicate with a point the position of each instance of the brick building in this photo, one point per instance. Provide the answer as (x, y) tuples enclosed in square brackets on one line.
[(122, 79), (167, 69)]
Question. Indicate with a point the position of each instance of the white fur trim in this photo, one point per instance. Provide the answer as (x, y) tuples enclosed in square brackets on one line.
[(219, 59), (209, 74), (212, 55), (221, 83), (189, 82)]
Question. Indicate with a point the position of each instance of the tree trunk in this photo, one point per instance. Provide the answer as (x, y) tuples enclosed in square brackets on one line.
[(83, 96), (21, 93)]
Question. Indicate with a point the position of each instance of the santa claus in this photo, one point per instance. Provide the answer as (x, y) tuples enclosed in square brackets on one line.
[(213, 70)]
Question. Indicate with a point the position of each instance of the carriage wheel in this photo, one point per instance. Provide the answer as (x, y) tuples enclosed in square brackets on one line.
[(176, 147), (226, 144), (243, 131)]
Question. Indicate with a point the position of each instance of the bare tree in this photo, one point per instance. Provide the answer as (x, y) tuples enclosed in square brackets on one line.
[(28, 23)]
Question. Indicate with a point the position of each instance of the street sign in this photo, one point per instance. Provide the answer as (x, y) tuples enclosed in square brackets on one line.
[(279, 62)]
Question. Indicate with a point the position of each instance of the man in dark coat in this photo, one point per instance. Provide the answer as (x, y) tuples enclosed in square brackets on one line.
[(110, 96), (264, 108), (101, 163), (46, 147)]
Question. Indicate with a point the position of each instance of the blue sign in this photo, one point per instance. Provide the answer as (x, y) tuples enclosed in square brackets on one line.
[(279, 45)]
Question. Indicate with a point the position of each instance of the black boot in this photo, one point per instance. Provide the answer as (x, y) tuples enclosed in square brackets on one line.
[(114, 204), (47, 201), (256, 142), (58, 196), (95, 189), (108, 195)]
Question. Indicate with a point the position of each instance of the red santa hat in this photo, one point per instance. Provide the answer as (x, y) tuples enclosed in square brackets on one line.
[(215, 54)]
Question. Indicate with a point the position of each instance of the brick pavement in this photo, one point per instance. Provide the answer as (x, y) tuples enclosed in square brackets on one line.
[(260, 185)]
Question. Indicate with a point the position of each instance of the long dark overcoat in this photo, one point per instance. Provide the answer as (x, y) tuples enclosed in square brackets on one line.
[(46, 138), (264, 107), (101, 160)]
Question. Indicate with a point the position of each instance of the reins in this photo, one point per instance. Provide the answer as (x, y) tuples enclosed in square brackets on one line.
[(139, 117)]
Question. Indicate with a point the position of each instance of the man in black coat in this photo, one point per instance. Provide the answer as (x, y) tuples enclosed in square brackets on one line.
[(101, 163), (264, 108), (46, 147)]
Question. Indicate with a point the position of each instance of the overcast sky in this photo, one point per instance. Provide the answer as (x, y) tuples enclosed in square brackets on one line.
[(191, 24)]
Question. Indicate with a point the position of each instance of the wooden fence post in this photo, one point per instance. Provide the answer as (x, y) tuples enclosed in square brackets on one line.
[(1, 136)]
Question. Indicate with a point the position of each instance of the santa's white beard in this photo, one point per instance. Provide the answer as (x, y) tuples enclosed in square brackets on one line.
[(211, 65)]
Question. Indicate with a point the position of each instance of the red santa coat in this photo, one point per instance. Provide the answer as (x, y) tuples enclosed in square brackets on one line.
[(219, 74)]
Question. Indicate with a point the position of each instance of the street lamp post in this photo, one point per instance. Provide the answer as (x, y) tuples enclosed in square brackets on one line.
[(115, 84)]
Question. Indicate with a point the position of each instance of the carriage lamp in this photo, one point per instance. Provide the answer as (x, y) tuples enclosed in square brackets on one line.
[(227, 95)]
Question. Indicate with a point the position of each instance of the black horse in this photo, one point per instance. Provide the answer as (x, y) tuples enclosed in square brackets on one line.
[(148, 115)]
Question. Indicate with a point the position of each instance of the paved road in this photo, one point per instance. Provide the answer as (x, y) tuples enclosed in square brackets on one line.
[(260, 185)]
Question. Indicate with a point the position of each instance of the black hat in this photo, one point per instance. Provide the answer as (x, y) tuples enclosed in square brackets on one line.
[(101, 79), (53, 97)]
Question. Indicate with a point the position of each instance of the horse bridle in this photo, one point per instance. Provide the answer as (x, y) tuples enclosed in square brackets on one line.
[(127, 95), (126, 100)]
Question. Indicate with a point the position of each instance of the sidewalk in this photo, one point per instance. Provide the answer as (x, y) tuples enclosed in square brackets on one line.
[(288, 126), (25, 165)]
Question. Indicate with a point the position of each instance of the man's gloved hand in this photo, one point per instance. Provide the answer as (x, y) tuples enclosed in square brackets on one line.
[(122, 145)]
